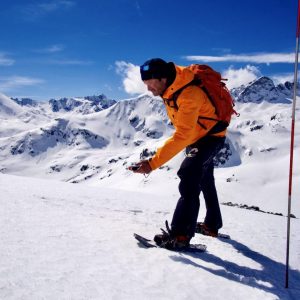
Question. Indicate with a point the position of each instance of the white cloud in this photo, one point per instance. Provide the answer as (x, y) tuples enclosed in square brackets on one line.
[(5, 61), (132, 82), (51, 49), (259, 58), (14, 82), (283, 78), (238, 77)]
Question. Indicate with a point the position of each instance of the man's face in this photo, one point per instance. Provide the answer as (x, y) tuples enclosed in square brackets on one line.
[(156, 86)]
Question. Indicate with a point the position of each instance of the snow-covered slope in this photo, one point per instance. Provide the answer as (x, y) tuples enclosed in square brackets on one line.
[(76, 146), (96, 148), (66, 241), (16, 118), (8, 107), (74, 241)]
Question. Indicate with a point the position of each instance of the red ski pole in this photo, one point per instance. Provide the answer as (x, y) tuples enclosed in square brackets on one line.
[(292, 149)]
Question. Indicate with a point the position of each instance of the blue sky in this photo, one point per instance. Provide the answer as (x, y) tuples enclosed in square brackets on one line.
[(57, 48)]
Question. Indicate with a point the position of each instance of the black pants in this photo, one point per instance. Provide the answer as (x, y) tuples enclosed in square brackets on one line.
[(196, 175)]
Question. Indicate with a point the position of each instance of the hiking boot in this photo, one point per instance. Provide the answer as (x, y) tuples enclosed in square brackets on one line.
[(205, 230), (180, 242), (170, 241)]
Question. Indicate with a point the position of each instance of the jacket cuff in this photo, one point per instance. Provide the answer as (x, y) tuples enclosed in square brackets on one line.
[(152, 164)]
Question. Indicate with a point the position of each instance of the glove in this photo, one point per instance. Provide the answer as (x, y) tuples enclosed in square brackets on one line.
[(142, 167)]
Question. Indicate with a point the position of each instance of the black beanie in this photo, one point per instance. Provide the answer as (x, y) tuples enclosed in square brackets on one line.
[(156, 68)]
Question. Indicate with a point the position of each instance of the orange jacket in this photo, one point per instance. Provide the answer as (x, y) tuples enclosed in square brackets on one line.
[(192, 102)]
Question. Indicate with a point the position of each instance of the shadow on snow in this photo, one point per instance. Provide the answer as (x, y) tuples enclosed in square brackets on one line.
[(269, 279)]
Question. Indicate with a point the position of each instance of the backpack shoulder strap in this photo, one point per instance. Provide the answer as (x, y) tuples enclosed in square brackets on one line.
[(173, 101)]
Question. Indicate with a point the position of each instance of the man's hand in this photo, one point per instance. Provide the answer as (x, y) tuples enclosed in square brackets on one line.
[(142, 167)]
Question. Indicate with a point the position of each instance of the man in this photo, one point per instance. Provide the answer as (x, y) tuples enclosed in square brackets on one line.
[(194, 119)]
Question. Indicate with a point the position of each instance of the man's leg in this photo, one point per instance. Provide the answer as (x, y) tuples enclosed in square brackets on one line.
[(191, 174), (213, 218), (187, 209)]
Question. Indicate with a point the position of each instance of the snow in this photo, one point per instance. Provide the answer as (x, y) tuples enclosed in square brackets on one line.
[(8, 107), (69, 206), (66, 241)]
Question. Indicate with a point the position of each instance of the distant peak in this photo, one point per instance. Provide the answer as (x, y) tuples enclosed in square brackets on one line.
[(264, 89), (264, 80)]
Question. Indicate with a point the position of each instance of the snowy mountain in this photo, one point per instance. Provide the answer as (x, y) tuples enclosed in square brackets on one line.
[(127, 124), (264, 89), (70, 145), (25, 101), (8, 107), (86, 105), (74, 241)]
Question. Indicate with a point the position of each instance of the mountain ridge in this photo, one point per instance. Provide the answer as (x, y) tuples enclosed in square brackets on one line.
[(90, 104), (96, 148)]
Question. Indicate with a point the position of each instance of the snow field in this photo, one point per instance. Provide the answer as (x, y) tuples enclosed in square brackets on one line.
[(65, 241)]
